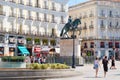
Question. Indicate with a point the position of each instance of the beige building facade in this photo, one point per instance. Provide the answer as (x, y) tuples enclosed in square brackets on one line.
[(100, 26)]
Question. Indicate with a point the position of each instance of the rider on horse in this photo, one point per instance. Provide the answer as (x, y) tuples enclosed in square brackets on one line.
[(70, 25)]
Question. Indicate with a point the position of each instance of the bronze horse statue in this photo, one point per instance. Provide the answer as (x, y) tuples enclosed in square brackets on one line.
[(70, 26)]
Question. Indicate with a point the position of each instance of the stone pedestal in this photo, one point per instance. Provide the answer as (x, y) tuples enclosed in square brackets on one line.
[(66, 51)]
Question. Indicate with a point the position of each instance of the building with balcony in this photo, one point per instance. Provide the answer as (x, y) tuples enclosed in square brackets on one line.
[(30, 23), (100, 26)]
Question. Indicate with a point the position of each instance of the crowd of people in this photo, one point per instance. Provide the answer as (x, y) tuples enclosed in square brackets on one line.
[(105, 62), (39, 60)]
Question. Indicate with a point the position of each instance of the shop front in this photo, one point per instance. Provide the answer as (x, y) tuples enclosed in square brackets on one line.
[(21, 49), (1, 50), (48, 51), (12, 45), (37, 51), (29, 48), (11, 51), (29, 45)]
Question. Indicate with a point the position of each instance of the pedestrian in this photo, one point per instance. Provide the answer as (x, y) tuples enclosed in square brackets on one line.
[(112, 63), (105, 65), (44, 60), (32, 59), (39, 60), (96, 66)]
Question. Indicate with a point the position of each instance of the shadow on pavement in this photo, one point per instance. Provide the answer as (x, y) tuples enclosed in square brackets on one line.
[(93, 77), (117, 74)]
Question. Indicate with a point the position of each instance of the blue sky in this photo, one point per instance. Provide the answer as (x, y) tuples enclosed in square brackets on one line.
[(73, 2)]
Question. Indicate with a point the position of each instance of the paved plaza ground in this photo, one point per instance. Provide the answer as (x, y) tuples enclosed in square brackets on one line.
[(88, 73)]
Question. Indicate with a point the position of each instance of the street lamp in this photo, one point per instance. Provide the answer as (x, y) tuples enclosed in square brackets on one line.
[(114, 52), (74, 28), (71, 26), (73, 55)]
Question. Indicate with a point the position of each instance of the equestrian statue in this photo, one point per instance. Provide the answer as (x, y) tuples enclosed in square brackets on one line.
[(70, 26)]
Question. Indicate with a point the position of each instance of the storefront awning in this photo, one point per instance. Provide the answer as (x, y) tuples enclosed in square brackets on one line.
[(37, 50), (50, 50), (23, 50)]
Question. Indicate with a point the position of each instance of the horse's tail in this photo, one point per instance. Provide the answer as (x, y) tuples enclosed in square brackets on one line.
[(61, 32)]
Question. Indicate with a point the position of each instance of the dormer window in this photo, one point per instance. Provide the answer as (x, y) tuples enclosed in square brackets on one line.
[(110, 13)]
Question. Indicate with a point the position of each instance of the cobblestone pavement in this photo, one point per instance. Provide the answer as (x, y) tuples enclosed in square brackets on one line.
[(88, 73)]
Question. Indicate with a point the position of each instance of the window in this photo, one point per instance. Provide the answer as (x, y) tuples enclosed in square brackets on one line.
[(102, 13), (45, 5), (37, 3), (45, 17), (110, 13), (12, 40), (92, 45), (53, 6), (1, 9), (101, 24), (29, 14), (102, 44), (21, 13), (53, 18), (30, 2), (91, 25), (38, 17), (116, 44), (80, 16), (110, 45), (62, 8), (53, 32), (85, 15), (11, 12), (91, 14), (20, 41), (1, 50), (85, 26), (1, 39), (62, 19), (85, 45), (110, 24), (117, 23)]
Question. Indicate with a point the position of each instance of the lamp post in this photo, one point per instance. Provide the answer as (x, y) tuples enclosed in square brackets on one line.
[(74, 28), (114, 47), (114, 52), (73, 55)]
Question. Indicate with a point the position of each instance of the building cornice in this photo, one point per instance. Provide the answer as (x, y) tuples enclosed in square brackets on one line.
[(61, 1), (91, 2), (30, 8), (78, 6)]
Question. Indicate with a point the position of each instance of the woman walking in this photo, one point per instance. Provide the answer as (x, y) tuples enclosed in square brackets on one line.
[(112, 63), (96, 66), (105, 65)]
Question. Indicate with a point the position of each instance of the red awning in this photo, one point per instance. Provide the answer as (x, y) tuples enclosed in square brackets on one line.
[(37, 49)]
